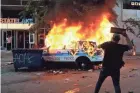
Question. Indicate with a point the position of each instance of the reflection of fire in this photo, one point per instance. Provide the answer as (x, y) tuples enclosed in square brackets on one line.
[(73, 91), (134, 51), (63, 34)]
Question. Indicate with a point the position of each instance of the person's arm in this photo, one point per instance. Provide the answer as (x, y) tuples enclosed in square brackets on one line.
[(103, 46), (128, 41)]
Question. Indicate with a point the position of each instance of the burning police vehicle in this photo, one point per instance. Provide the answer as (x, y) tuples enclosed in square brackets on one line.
[(77, 42), (83, 53)]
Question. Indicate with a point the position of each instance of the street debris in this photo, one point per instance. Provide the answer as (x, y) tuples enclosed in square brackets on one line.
[(91, 85), (130, 92), (79, 69), (55, 72), (124, 76), (84, 76), (9, 63), (90, 70), (75, 84), (97, 67), (38, 82), (133, 69), (107, 92), (73, 91), (66, 80), (38, 74), (61, 72), (131, 75), (134, 75), (49, 91)]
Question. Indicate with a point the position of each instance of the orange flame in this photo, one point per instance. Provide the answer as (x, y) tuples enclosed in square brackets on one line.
[(73, 91), (63, 34)]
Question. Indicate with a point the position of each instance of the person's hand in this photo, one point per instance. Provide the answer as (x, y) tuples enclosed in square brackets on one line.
[(124, 34)]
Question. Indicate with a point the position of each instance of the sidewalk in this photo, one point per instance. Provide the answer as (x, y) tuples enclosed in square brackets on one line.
[(6, 56)]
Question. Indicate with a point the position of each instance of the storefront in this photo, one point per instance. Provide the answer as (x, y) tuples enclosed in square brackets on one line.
[(15, 33), (128, 12)]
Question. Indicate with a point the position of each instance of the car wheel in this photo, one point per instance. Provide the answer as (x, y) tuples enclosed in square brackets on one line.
[(84, 65)]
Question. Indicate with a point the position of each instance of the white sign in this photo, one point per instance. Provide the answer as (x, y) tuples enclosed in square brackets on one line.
[(127, 14)]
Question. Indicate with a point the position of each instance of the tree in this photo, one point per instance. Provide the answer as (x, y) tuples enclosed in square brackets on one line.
[(75, 10), (37, 11), (132, 23)]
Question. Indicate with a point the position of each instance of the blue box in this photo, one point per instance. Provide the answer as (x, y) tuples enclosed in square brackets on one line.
[(30, 58)]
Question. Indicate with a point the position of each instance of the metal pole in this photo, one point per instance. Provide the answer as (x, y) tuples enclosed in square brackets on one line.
[(6, 39), (29, 40), (20, 2), (2, 34), (16, 39), (24, 38), (11, 39)]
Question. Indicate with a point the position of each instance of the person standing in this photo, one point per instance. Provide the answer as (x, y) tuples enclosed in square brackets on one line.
[(9, 41), (113, 62)]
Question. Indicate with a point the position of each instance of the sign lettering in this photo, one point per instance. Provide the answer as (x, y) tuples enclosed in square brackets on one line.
[(9, 20), (15, 20), (53, 58), (69, 58), (23, 58), (135, 3)]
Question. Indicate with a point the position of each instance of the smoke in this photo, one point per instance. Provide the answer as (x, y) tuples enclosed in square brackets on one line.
[(86, 11)]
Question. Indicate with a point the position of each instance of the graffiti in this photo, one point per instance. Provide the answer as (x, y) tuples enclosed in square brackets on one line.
[(23, 58)]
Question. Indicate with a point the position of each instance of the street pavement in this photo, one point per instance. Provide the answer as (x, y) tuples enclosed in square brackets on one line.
[(67, 80)]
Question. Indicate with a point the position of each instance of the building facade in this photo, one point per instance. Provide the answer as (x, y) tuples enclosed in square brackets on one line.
[(18, 29), (15, 31), (127, 10)]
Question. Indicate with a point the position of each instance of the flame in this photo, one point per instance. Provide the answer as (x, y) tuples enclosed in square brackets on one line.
[(73, 91), (62, 34), (134, 51)]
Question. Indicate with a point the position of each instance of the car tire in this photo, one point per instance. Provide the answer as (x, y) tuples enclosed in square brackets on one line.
[(85, 65)]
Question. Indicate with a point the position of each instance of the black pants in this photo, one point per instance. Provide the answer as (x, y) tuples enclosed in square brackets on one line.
[(8, 46), (115, 74)]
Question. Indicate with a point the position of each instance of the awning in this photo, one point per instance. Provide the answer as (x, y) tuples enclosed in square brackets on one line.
[(16, 26)]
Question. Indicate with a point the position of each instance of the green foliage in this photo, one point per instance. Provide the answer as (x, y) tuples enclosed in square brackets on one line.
[(37, 11), (72, 9)]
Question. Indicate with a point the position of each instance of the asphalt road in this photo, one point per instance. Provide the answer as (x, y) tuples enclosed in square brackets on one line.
[(67, 80)]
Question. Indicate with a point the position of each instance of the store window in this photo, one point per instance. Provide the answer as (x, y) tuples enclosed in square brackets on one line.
[(31, 38)]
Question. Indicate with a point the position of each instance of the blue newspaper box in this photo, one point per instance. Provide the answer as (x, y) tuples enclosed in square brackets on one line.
[(30, 58)]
